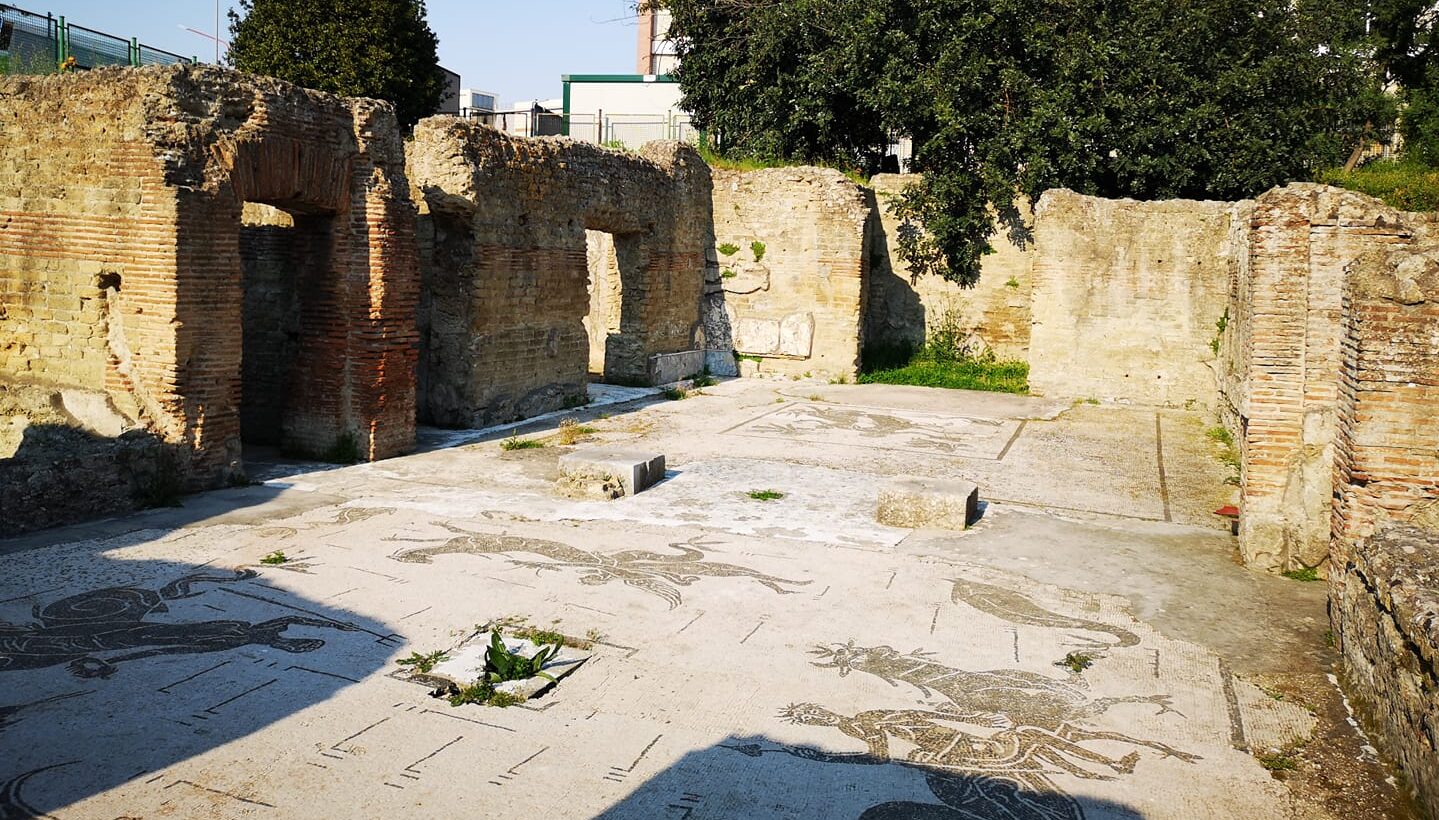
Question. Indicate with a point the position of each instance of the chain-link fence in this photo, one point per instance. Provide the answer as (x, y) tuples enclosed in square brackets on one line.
[(33, 43)]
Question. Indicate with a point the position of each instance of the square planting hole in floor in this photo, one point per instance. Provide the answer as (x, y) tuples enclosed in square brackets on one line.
[(499, 666)]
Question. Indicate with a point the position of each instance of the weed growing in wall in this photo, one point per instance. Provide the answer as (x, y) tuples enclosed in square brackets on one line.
[(728, 249), (757, 248)]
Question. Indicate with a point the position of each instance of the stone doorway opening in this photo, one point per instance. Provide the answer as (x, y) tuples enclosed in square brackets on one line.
[(615, 355)]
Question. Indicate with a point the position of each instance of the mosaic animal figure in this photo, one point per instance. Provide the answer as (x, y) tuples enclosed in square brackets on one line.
[(1009, 696), (79, 629), (1008, 605), (1003, 775), (656, 573)]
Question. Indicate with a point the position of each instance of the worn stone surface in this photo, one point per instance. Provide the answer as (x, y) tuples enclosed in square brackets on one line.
[(788, 280), (507, 229), (1386, 620), (754, 654), (993, 316), (632, 471), (121, 272), (919, 503), (1126, 298)]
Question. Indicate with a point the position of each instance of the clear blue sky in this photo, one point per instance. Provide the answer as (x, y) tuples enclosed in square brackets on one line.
[(515, 49)]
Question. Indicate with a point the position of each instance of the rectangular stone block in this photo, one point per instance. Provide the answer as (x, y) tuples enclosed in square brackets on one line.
[(668, 368), (634, 470), (928, 503)]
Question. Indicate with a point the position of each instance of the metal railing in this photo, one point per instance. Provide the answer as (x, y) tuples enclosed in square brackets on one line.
[(632, 130), (33, 43)]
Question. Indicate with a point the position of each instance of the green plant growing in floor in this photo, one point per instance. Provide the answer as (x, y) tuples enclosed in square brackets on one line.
[(502, 665), (839, 380), (423, 663), (502, 699), (1221, 435), (1277, 761), (576, 401), (516, 443), (703, 380), (275, 558), (1303, 574), (728, 249), (571, 431), (1076, 662), (480, 693), (675, 393), (543, 637), (766, 495), (757, 248)]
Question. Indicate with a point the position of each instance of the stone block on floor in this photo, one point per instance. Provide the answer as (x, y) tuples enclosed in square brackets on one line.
[(928, 503), (610, 473)]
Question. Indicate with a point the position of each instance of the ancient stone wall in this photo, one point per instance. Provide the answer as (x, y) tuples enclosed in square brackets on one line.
[(790, 262), (121, 196), (1282, 363), (506, 273), (902, 310), (1385, 608), (1127, 297)]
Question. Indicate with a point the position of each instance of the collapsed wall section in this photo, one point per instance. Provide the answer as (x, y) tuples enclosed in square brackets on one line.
[(1128, 298), (121, 285), (903, 310), (506, 270), (790, 261)]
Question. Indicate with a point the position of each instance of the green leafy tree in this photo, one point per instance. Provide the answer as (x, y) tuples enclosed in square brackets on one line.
[(358, 48), (1007, 98)]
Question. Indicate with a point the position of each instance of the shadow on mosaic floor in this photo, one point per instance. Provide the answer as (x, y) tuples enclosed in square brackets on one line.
[(756, 776), (114, 670)]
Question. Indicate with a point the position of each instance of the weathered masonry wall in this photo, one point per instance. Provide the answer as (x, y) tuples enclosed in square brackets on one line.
[(902, 311), (121, 284), (1283, 364), (1385, 607), (504, 258), (1127, 297), (787, 287)]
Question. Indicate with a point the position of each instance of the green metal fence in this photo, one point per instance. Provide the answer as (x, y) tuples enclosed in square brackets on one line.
[(33, 43)]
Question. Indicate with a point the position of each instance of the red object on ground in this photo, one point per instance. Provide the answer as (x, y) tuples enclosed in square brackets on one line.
[(1229, 511)]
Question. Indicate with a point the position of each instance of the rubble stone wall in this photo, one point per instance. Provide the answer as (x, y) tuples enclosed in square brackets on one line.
[(505, 265), (787, 286), (1385, 608), (1127, 297), (902, 310), (121, 199)]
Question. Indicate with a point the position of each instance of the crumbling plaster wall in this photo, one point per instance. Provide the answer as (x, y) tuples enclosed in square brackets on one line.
[(121, 194), (792, 304), (505, 265), (903, 310), (1127, 297)]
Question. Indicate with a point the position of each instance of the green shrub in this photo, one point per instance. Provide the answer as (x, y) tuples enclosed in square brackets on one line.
[(517, 443), (1409, 185)]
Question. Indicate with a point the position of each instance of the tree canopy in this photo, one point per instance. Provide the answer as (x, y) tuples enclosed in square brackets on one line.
[(1007, 98), (357, 48)]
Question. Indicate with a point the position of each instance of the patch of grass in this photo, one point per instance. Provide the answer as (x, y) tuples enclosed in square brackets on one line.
[(964, 374), (1304, 574), (745, 357), (766, 495), (1087, 401), (503, 699), (423, 663), (728, 274), (675, 393), (1277, 761), (275, 558), (543, 637), (1221, 435), (815, 397), (344, 450), (1329, 638), (757, 248), (1076, 662), (839, 380), (571, 431), (728, 249), (517, 443), (1404, 184), (579, 400), (703, 380)]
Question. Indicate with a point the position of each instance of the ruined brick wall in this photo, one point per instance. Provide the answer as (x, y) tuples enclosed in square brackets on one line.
[(506, 271), (1283, 361), (1126, 298), (121, 195), (1385, 608), (797, 305), (994, 314)]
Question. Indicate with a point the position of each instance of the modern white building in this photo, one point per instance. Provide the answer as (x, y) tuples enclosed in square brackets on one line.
[(624, 108)]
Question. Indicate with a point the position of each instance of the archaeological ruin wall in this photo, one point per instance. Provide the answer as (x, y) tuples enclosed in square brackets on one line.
[(122, 286), (993, 317), (787, 286), (506, 228), (1127, 298)]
